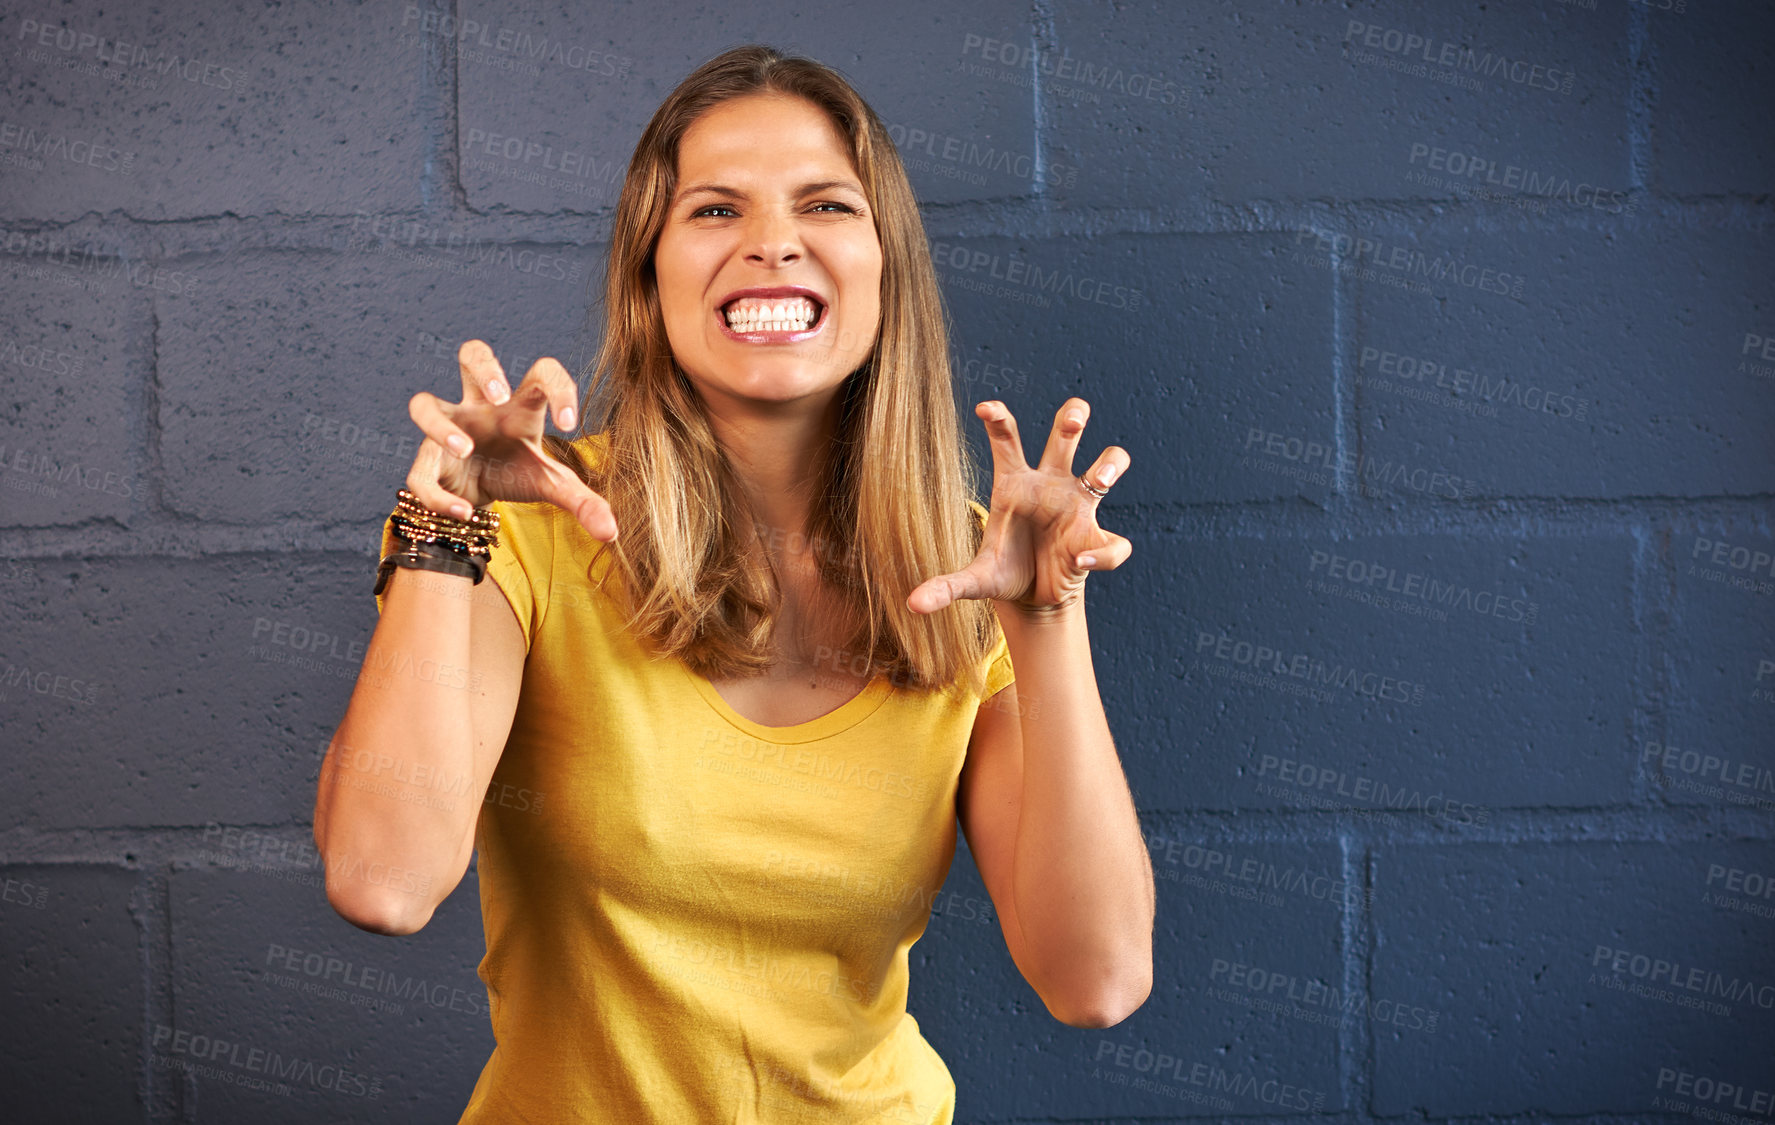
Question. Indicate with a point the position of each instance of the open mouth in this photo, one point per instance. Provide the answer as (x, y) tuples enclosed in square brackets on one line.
[(772, 318)]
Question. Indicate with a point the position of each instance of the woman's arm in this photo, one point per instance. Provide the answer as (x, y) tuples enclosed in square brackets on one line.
[(1045, 806), (1050, 822), (401, 788)]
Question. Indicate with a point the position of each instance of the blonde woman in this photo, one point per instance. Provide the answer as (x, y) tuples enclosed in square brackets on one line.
[(745, 659)]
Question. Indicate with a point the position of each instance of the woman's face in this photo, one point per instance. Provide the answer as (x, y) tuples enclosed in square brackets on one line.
[(769, 267)]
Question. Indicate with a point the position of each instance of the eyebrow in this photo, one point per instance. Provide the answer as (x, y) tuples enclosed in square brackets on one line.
[(736, 193)]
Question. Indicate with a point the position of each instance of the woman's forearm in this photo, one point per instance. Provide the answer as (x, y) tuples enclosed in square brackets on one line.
[(1082, 878)]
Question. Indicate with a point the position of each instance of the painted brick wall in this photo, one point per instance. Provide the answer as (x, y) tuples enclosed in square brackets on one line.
[(1443, 670)]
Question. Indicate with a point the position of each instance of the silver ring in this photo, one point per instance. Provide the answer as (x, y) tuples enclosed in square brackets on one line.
[(1099, 493)]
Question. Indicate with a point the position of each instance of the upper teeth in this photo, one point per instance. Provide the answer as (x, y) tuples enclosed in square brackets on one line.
[(783, 315)]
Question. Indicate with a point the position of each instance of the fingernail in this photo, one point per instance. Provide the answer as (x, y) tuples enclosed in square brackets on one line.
[(496, 391), (459, 445), (461, 511), (1076, 418), (567, 416), (1087, 560), (1108, 475)]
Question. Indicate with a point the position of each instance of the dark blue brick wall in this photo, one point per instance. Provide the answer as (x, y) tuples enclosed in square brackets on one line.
[(1433, 332)]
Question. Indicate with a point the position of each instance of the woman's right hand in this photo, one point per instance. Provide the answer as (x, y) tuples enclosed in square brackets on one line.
[(489, 445)]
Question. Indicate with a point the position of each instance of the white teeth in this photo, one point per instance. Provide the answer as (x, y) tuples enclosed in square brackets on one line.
[(795, 314)]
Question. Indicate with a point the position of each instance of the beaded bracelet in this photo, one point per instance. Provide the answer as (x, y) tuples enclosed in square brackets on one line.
[(438, 542)]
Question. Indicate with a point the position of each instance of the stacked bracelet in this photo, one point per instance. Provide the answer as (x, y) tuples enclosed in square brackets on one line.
[(438, 542)]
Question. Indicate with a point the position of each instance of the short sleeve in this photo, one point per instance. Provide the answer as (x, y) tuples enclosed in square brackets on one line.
[(999, 672), (520, 565)]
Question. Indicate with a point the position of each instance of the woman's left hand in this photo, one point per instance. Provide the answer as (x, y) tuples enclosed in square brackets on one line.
[(1042, 537)]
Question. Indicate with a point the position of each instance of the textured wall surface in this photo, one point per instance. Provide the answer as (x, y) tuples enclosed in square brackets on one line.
[(1440, 337)]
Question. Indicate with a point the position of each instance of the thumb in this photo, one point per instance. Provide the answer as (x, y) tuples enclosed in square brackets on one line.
[(591, 510), (939, 593)]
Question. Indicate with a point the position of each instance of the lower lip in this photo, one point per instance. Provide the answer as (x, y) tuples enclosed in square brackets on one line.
[(807, 333)]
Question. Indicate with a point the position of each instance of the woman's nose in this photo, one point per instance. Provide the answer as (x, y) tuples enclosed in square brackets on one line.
[(772, 240)]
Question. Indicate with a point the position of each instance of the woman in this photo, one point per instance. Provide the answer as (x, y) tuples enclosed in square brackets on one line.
[(720, 720)]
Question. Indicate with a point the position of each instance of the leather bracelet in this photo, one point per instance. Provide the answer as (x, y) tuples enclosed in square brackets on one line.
[(430, 556)]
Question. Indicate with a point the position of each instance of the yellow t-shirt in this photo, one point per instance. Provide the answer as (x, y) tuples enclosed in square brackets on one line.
[(691, 917)]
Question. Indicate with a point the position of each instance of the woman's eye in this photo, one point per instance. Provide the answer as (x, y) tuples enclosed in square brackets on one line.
[(714, 207), (840, 206)]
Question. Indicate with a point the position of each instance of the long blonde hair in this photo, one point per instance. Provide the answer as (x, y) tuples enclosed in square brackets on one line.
[(899, 480)]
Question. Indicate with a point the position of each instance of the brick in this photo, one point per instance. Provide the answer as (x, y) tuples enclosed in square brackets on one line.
[(1482, 627), (70, 1049), (245, 110), (267, 965), (1721, 663), (1712, 67), (962, 140), (1592, 327), (284, 389), (73, 353), (964, 984), (1182, 345), (1504, 940), (177, 691), (1239, 127)]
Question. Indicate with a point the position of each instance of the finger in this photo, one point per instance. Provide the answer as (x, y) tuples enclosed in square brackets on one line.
[(565, 490), (483, 380), (1063, 439), (1107, 557), (431, 415), (422, 481), (548, 385), (1106, 470), (1001, 431), (941, 592)]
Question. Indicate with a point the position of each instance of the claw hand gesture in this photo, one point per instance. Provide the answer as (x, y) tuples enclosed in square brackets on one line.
[(489, 445), (1042, 537)]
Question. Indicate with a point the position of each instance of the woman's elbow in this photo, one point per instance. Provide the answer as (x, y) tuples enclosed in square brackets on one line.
[(1107, 1005)]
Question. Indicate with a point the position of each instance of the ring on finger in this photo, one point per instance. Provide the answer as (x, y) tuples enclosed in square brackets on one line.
[(1098, 493)]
